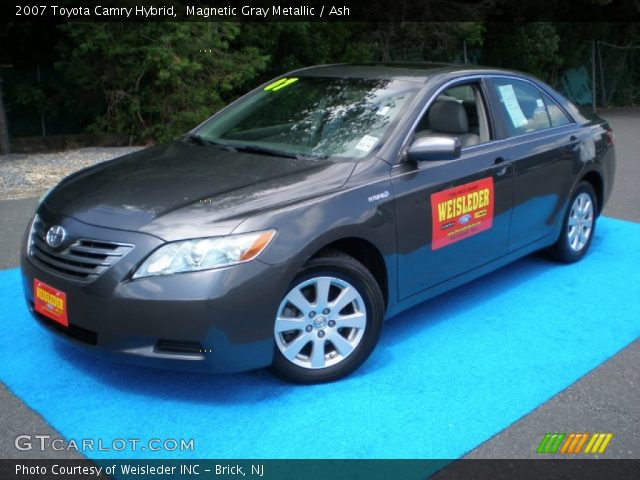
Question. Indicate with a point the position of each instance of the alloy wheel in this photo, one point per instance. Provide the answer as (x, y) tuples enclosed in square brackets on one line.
[(580, 222), (320, 322)]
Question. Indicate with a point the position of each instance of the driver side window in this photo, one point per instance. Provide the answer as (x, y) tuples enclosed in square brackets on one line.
[(457, 112)]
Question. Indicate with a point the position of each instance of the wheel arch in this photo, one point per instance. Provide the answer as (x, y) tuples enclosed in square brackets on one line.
[(595, 180), (367, 254)]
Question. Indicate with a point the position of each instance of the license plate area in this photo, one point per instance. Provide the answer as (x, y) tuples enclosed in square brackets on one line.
[(50, 302)]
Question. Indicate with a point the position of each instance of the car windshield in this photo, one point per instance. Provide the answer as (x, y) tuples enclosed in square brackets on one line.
[(312, 116)]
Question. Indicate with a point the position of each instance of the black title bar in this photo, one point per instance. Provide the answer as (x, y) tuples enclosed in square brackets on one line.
[(549, 469), (321, 10)]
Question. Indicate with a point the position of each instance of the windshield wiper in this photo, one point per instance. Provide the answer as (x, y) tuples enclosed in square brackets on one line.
[(264, 151), (195, 138), (200, 140)]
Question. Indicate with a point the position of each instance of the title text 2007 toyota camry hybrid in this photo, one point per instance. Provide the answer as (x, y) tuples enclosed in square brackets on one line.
[(283, 230)]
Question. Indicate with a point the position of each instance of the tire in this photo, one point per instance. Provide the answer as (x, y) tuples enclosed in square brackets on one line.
[(334, 304), (580, 217)]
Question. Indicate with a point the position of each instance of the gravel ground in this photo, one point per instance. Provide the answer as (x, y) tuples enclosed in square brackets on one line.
[(28, 175)]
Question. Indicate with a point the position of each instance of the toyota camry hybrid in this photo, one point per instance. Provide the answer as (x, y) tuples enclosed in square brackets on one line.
[(283, 230)]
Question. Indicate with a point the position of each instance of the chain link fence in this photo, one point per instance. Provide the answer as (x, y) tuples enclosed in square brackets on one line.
[(618, 74)]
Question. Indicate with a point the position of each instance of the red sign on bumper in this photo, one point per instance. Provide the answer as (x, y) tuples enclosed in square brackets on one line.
[(50, 302)]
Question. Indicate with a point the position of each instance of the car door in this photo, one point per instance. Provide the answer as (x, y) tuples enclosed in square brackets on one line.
[(544, 149), (452, 216)]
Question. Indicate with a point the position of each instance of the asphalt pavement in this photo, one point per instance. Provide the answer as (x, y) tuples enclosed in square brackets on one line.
[(625, 199), (14, 218), (604, 400)]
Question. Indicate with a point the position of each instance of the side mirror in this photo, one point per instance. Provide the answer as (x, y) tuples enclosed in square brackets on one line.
[(434, 147)]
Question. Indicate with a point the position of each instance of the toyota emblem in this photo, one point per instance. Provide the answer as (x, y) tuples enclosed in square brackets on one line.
[(55, 236)]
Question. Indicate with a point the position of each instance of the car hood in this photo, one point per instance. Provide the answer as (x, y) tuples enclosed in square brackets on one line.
[(184, 190)]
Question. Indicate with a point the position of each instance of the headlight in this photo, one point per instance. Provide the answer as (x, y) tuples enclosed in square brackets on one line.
[(204, 253)]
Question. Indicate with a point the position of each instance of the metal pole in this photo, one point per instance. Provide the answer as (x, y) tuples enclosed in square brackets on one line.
[(464, 49), (604, 93), (42, 124), (4, 131), (593, 74)]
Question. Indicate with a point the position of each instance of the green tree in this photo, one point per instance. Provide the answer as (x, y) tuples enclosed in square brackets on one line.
[(157, 79), (292, 45), (531, 47)]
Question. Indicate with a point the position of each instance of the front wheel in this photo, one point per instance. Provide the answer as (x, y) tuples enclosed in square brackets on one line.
[(329, 321), (579, 226)]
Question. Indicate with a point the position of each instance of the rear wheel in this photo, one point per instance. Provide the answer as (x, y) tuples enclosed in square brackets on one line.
[(579, 226), (329, 321)]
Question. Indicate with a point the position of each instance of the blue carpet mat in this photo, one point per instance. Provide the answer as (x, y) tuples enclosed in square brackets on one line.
[(446, 376)]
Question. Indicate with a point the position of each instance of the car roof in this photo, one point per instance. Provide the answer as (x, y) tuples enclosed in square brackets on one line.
[(411, 71)]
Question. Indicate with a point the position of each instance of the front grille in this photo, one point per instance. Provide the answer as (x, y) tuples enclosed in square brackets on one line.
[(82, 261)]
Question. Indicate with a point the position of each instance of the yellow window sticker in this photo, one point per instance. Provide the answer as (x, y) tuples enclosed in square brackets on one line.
[(278, 84)]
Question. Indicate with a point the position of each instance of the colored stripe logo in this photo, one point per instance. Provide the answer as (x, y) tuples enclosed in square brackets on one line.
[(550, 443), (279, 84), (573, 443), (598, 443)]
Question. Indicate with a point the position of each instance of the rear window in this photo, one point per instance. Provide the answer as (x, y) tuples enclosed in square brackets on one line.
[(526, 108)]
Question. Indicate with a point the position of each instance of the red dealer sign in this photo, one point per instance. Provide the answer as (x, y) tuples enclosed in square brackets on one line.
[(460, 212)]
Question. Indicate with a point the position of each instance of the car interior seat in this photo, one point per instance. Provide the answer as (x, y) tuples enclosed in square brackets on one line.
[(449, 118), (472, 115)]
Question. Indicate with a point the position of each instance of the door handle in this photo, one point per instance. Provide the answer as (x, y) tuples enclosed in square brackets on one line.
[(501, 165), (574, 142)]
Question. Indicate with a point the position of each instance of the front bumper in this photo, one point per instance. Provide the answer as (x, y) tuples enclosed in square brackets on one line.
[(218, 320)]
